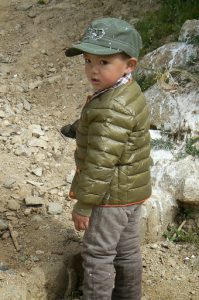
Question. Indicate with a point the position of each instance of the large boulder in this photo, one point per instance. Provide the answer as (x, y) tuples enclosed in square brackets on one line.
[(189, 32), (169, 56), (177, 111)]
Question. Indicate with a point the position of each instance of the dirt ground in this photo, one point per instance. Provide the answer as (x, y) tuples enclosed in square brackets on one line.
[(39, 85)]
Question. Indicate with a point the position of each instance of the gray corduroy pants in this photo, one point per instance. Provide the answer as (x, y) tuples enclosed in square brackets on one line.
[(111, 254)]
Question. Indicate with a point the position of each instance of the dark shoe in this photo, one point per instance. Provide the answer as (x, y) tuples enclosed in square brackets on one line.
[(69, 130)]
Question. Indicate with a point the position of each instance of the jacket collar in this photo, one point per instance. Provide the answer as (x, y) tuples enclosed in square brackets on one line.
[(123, 80)]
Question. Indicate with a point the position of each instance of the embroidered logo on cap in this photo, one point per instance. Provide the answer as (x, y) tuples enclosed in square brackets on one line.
[(94, 33)]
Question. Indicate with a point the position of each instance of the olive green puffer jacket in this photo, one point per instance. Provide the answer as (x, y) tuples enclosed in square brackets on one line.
[(113, 150)]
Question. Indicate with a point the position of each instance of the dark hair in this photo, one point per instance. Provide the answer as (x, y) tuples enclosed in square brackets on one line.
[(124, 55)]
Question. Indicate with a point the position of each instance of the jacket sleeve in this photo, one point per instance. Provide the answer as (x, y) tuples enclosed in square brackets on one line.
[(108, 131)]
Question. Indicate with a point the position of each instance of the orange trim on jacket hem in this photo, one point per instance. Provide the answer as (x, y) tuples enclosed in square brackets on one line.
[(121, 205)]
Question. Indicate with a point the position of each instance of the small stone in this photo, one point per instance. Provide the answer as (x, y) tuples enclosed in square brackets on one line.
[(2, 209), (2, 114), (22, 274), (55, 208), (36, 219), (3, 89), (43, 51), (154, 246), (27, 106), (40, 157), (39, 252), (8, 184), (69, 177), (27, 211), (24, 6), (36, 130), (3, 267), (35, 142), (32, 14), (22, 150), (38, 171), (35, 84), (6, 235), (33, 200), (13, 205), (3, 225)]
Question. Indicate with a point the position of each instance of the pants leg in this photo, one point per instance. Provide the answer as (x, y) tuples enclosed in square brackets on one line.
[(128, 261), (99, 250)]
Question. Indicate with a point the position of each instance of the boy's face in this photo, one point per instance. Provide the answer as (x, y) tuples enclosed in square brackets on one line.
[(104, 71)]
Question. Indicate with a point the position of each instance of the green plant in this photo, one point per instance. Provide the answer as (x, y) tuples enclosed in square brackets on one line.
[(161, 144), (146, 82), (166, 21), (177, 235), (190, 147), (41, 2)]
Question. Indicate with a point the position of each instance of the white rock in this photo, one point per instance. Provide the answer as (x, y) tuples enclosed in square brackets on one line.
[(22, 150), (36, 130), (9, 183), (189, 31), (33, 200), (36, 142), (3, 225), (27, 106), (69, 177), (2, 114), (55, 208), (13, 205), (3, 89), (35, 84), (172, 55), (40, 157), (179, 110), (38, 171), (191, 189)]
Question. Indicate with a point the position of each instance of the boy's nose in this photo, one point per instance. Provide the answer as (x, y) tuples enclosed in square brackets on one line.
[(94, 69)]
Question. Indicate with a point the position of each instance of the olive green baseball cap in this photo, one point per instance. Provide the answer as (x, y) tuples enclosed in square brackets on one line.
[(108, 36)]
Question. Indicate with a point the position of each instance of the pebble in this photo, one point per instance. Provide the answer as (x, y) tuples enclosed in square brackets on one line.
[(24, 6), (33, 200), (39, 252), (35, 142), (36, 130), (38, 171), (13, 205), (3, 267), (69, 177), (9, 183), (37, 219), (3, 225), (3, 89), (6, 235), (27, 106), (55, 208), (22, 150), (2, 114), (154, 246), (27, 211), (32, 14), (35, 84)]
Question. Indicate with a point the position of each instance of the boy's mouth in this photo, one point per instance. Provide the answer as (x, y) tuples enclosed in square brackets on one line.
[(95, 81)]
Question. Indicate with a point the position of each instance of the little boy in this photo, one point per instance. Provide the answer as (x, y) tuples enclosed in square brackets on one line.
[(113, 161)]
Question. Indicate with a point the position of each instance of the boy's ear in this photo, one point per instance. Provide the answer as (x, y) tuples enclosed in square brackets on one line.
[(131, 64)]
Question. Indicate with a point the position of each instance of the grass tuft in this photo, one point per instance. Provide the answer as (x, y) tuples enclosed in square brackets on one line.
[(166, 21)]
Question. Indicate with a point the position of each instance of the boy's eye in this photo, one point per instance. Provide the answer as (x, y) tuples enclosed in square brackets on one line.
[(103, 62), (87, 61)]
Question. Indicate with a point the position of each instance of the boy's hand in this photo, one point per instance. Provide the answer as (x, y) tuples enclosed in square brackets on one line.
[(80, 222)]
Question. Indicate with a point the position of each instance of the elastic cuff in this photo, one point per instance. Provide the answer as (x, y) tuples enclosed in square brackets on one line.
[(82, 209)]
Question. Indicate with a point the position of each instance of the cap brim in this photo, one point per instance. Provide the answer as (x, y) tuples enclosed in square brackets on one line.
[(90, 48)]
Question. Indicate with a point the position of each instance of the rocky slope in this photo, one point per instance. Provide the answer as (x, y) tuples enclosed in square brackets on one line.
[(40, 91)]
